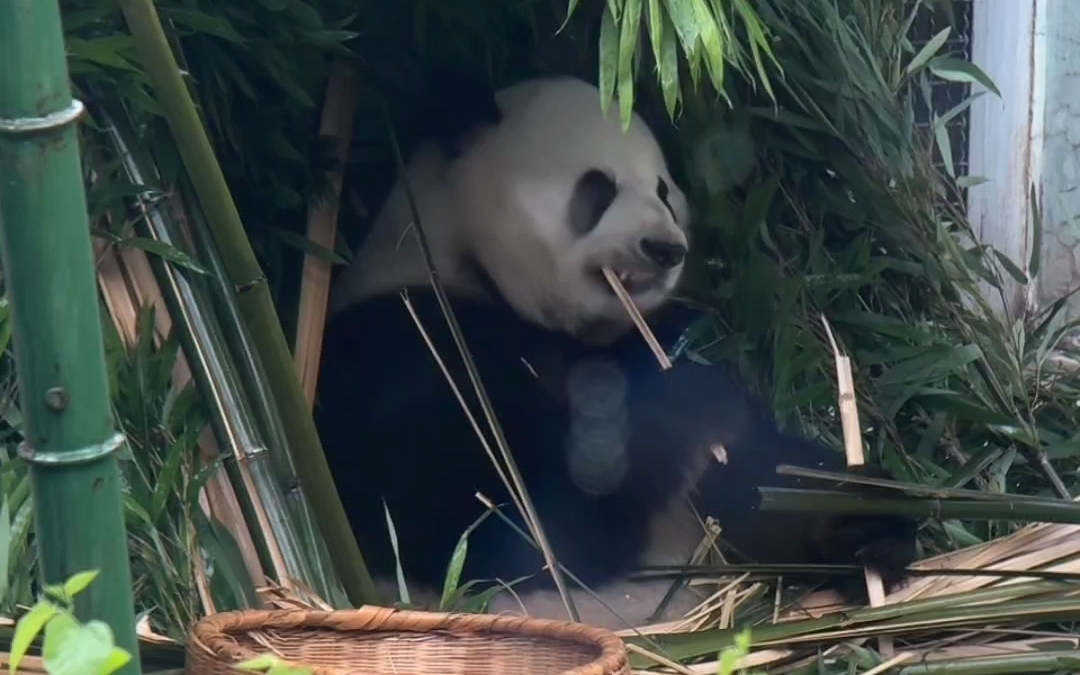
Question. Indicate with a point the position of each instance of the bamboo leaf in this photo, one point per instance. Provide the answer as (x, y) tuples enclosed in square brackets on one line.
[(403, 588), (166, 251), (609, 59), (453, 572), (231, 583), (1014, 271), (5, 546), (684, 20), (202, 22), (928, 51), (758, 201), (628, 42), (669, 68), (970, 181), (930, 365), (106, 51), (941, 137), (758, 41), (656, 29), (570, 7), (958, 70), (712, 42)]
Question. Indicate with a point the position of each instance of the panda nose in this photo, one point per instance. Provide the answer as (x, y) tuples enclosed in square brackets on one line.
[(663, 253)]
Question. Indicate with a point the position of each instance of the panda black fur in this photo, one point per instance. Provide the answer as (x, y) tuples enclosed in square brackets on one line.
[(523, 202)]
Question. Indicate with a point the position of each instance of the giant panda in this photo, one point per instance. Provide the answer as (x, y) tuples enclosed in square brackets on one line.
[(524, 195)]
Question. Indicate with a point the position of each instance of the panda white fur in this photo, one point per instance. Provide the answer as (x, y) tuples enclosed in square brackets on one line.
[(524, 196)]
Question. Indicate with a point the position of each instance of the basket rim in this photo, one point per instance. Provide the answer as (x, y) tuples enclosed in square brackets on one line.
[(212, 634)]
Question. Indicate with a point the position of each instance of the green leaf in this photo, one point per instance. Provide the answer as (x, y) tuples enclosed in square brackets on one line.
[(260, 662), (941, 137), (1012, 268), (5, 545), (106, 51), (457, 561), (927, 52), (78, 582), (758, 201), (571, 6), (116, 659), (57, 630), (201, 22), (958, 70), (712, 41), (403, 589), (970, 181), (168, 480), (628, 41), (684, 21), (453, 572), (656, 30), (27, 630), (71, 649), (166, 251), (669, 68), (758, 41), (609, 59), (931, 364), (230, 573)]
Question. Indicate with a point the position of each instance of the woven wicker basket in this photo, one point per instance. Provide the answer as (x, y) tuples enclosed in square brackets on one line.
[(382, 641)]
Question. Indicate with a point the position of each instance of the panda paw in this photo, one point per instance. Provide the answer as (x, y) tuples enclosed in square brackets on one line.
[(886, 544)]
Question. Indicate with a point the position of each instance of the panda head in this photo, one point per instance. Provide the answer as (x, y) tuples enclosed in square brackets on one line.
[(538, 193)]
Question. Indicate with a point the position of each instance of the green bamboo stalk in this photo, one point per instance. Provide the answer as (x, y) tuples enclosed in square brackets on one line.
[(1056, 661), (824, 501), (252, 292), (912, 488), (308, 537), (70, 440)]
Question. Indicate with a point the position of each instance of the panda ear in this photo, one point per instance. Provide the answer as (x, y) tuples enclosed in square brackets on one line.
[(458, 103)]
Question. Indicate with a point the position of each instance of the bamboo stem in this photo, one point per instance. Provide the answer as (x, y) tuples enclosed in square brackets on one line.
[(70, 441), (252, 292), (826, 501)]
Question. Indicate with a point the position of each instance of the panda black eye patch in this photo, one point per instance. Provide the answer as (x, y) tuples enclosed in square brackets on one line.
[(662, 193), (593, 194)]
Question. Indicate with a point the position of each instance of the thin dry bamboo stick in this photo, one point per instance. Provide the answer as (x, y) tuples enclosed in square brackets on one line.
[(337, 121), (638, 320), (853, 448)]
